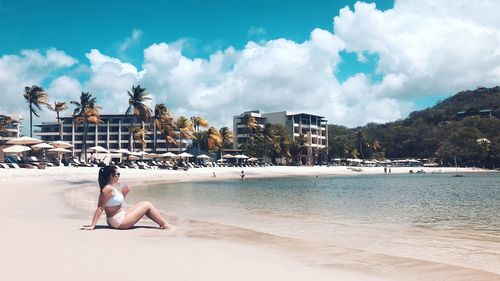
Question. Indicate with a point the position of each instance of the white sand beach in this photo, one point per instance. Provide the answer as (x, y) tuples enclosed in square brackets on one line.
[(41, 237)]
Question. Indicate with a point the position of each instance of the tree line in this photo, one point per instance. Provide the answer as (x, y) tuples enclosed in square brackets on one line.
[(174, 130), (433, 134)]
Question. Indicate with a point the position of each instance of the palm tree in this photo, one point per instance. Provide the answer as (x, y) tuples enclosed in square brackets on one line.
[(214, 139), (227, 138), (89, 116), (164, 122), (300, 143), (185, 128), (137, 108), (284, 142), (86, 112), (140, 134), (251, 125), (198, 122), (373, 145), (59, 107), (361, 140), (35, 97), (269, 139)]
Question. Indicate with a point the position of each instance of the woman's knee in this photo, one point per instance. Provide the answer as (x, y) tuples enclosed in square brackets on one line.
[(147, 203)]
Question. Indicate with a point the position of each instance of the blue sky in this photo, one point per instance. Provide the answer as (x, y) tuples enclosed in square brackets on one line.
[(78, 26), (353, 57)]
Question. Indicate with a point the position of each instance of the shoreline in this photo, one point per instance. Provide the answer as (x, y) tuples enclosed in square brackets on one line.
[(37, 202)]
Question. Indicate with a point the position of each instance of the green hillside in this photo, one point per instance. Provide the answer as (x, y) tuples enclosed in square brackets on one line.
[(484, 98), (434, 133)]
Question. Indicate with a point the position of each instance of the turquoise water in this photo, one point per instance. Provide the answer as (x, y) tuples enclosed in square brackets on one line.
[(437, 201)]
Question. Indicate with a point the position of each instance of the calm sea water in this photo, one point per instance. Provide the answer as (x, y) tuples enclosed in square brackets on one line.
[(322, 205)]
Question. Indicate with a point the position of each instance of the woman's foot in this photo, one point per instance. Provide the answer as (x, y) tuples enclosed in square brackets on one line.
[(168, 227)]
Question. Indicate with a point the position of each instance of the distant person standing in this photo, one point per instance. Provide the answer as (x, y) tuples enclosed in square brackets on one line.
[(389, 169), (242, 175), (385, 169), (214, 175)]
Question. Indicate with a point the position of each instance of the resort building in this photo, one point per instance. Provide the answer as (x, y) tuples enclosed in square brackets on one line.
[(10, 129), (112, 133), (482, 113), (297, 124)]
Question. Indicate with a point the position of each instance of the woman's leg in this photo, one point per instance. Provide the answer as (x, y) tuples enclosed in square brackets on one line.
[(144, 208)]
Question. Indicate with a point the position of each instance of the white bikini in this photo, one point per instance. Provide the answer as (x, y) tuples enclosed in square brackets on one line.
[(116, 200)]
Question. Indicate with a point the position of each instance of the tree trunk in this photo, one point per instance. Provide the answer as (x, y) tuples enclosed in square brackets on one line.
[(155, 135), (84, 143), (130, 135), (60, 127), (31, 119)]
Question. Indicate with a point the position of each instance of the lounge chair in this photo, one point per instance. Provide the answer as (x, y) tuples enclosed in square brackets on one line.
[(4, 166), (14, 166)]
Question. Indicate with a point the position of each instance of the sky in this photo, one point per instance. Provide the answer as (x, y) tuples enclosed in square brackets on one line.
[(351, 62)]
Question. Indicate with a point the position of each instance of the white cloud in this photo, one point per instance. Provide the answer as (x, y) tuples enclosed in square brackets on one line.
[(129, 42), (423, 48), (257, 32), (109, 81), (437, 46), (28, 68), (64, 88)]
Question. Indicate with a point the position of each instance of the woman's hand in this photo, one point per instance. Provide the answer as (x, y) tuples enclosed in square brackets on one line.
[(125, 190), (88, 227)]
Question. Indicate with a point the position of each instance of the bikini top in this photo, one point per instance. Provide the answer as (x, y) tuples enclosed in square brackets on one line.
[(116, 199)]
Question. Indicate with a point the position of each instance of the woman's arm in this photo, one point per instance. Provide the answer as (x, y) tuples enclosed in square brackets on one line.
[(95, 219), (103, 198), (125, 190)]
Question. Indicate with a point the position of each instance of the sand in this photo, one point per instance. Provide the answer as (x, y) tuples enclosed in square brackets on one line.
[(41, 237)]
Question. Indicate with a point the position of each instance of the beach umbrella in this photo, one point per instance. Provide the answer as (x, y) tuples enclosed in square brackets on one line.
[(41, 146), (221, 160), (241, 156), (168, 154), (184, 155), (253, 159), (16, 149), (227, 156), (203, 156), (152, 155), (61, 144), (122, 151), (59, 150), (98, 149), (24, 141)]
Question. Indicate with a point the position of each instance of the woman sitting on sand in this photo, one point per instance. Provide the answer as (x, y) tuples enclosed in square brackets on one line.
[(111, 200)]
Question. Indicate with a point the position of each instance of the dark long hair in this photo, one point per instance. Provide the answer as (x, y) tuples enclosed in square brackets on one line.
[(104, 173)]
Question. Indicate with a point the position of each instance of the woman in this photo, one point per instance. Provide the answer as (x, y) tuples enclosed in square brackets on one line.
[(111, 200)]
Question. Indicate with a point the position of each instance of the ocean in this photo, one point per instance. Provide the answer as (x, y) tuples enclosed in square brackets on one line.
[(361, 221)]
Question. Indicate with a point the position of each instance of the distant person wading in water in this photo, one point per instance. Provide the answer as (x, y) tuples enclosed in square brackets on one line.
[(242, 175), (111, 201)]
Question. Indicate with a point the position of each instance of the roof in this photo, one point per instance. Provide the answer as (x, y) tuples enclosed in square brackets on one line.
[(302, 113)]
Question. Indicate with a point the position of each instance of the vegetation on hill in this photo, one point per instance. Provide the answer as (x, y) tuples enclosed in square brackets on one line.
[(434, 133)]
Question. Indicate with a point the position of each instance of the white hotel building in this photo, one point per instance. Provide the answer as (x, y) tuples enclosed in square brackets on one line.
[(12, 130), (112, 133), (301, 123)]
